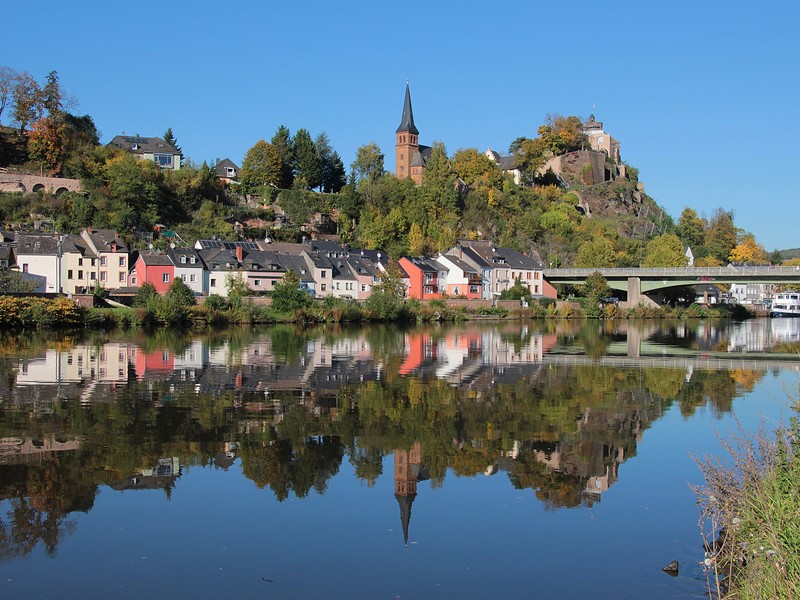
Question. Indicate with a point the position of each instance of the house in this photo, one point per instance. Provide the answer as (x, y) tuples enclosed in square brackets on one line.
[(189, 267), (261, 270), (298, 264), (39, 254), (227, 171), (501, 268), (154, 268), (426, 277), (79, 265), (463, 279), (112, 254), (149, 148), (221, 265), (507, 164)]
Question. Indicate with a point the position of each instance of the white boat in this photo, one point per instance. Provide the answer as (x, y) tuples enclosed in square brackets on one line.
[(786, 304)]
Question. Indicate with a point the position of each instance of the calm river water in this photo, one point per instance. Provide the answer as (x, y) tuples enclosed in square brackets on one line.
[(482, 460)]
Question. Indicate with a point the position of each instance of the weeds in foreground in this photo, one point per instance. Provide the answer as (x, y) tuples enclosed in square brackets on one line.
[(750, 516)]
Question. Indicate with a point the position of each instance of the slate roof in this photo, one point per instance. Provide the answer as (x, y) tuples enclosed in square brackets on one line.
[(37, 243), (143, 145), (177, 253), (76, 244), (223, 166), (297, 264), (218, 259), (260, 260), (407, 120), (103, 238), (153, 259)]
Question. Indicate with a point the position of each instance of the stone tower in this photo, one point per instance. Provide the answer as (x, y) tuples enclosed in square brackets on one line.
[(407, 145), (406, 473)]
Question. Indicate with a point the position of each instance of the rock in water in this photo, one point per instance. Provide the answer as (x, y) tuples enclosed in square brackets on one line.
[(671, 568)]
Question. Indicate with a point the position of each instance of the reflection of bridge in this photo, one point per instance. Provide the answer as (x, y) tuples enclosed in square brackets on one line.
[(701, 363), (18, 182), (638, 281)]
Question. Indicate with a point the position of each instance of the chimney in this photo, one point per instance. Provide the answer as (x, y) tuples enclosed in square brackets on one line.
[(239, 254)]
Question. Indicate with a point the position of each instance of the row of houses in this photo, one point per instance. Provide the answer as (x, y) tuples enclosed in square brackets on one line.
[(75, 264)]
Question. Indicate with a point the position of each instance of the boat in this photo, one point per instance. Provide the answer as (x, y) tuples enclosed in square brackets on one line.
[(786, 304)]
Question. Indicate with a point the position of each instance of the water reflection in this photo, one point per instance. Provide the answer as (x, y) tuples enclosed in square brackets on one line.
[(553, 407)]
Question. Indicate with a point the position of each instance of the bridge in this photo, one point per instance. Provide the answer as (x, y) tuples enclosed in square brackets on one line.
[(638, 282), (23, 182)]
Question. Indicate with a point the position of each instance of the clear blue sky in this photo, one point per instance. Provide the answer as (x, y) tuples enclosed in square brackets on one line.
[(701, 95)]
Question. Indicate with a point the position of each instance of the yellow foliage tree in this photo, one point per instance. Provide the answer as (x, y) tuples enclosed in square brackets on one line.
[(750, 252)]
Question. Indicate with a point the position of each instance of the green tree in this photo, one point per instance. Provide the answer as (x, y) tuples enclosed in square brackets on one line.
[(721, 235), (597, 252), (180, 293), (261, 166), (308, 165), (474, 167), (333, 175), (664, 251), (288, 296), (416, 241), (368, 164), (27, 97), (170, 138), (596, 288), (52, 95), (692, 229), (283, 143), (145, 295), (387, 298)]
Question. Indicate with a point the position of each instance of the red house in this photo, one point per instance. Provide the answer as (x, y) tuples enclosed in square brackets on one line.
[(153, 268), (426, 277)]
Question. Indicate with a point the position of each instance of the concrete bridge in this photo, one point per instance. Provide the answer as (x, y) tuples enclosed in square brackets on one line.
[(22, 183), (638, 282)]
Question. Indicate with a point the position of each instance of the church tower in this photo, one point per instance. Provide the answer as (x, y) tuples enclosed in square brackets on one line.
[(407, 464), (407, 145)]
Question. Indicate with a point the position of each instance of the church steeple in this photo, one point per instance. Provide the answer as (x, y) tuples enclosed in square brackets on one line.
[(406, 144), (407, 120)]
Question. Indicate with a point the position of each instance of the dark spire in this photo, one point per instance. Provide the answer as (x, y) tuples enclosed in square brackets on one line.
[(405, 503), (407, 121)]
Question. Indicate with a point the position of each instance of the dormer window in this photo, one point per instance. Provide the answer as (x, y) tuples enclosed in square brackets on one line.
[(134, 146), (192, 260), (231, 172)]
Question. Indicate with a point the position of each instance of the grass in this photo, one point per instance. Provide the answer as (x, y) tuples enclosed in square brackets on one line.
[(750, 516)]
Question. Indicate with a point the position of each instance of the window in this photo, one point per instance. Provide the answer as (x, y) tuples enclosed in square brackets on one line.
[(69, 274), (257, 282), (133, 280), (80, 262), (80, 274), (122, 277), (92, 262), (165, 277), (323, 274), (103, 276), (103, 261), (363, 287), (192, 260), (322, 287), (92, 275), (24, 267), (192, 277), (163, 160), (183, 277), (183, 260), (121, 261), (213, 283)]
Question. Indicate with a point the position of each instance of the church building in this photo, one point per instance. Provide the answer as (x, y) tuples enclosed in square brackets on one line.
[(410, 155)]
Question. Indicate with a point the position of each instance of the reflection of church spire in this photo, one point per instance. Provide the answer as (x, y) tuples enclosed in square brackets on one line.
[(406, 471)]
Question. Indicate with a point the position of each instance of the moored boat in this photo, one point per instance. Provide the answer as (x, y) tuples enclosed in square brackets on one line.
[(786, 304)]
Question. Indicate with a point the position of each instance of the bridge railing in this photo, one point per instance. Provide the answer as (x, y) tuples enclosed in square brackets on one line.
[(727, 271)]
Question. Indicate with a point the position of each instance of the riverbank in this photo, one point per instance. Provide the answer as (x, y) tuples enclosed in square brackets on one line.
[(41, 313), (751, 516)]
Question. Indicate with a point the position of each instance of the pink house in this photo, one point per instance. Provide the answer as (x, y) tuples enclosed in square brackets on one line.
[(153, 268), (426, 277)]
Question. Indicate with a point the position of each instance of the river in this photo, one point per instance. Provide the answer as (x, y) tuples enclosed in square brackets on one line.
[(478, 460)]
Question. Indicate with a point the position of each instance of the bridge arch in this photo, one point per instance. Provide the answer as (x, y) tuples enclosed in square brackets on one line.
[(38, 187), (60, 191)]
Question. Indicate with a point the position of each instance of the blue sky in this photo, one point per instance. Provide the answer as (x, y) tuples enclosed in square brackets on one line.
[(700, 95)]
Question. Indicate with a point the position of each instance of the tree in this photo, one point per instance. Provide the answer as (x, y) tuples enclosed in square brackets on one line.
[(386, 300), (288, 296), (261, 166), (333, 176), (597, 252), (473, 167), (144, 295), (307, 163), (180, 293), (368, 164), (416, 241), (692, 229), (282, 141), (51, 95), (664, 251), (721, 234), (27, 100), (8, 80), (596, 287), (46, 142), (750, 252)]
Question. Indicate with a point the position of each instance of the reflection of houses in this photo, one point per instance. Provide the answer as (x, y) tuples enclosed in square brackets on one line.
[(160, 476), (14, 450)]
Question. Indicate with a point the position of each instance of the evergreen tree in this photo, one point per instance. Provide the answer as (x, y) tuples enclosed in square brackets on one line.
[(282, 141), (333, 175), (308, 165)]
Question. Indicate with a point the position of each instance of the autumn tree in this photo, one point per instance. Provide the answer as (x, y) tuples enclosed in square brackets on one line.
[(46, 142), (368, 164), (8, 80), (749, 251), (474, 167), (27, 97), (261, 166), (721, 235), (597, 252)]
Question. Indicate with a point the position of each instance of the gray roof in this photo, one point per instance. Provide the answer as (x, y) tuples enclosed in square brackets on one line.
[(143, 145), (177, 253), (76, 244), (492, 256), (407, 120), (154, 259), (219, 259), (260, 260), (297, 264), (37, 243), (103, 238), (223, 166), (422, 157)]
